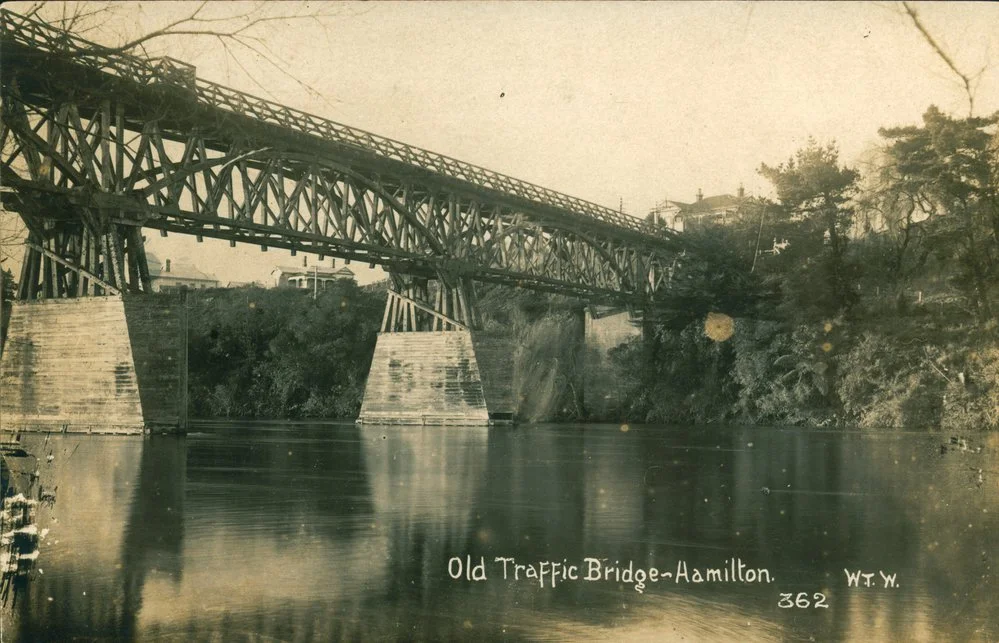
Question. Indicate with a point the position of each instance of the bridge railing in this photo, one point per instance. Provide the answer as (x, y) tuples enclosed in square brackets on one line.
[(44, 37)]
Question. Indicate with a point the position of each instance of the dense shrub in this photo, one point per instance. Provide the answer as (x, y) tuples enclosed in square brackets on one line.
[(280, 353), (780, 375), (677, 376), (886, 384)]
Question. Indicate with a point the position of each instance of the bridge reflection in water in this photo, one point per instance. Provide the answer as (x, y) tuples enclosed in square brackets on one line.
[(345, 532)]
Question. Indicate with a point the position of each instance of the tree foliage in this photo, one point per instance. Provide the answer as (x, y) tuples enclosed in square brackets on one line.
[(815, 193), (947, 168), (279, 353), (887, 284)]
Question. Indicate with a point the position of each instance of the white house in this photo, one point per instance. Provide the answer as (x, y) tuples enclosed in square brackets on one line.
[(719, 210), (306, 276), (168, 275)]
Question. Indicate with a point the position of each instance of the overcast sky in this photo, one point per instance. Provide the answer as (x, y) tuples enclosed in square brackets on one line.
[(605, 101)]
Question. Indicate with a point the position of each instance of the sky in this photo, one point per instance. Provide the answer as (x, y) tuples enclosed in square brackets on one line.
[(620, 103)]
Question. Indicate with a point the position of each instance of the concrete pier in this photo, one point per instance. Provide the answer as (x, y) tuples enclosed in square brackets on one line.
[(95, 365), (439, 377)]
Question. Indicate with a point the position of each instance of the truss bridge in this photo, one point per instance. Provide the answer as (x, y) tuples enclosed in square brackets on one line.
[(98, 144)]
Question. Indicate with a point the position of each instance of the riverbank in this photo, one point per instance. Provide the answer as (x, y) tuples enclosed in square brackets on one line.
[(926, 369), (258, 353)]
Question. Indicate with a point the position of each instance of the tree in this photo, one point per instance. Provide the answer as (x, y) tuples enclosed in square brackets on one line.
[(12, 233), (948, 168), (279, 353), (892, 219), (814, 193), (7, 291)]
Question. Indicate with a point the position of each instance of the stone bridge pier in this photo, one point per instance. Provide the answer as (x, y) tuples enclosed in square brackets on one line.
[(103, 364), (86, 349), (433, 364)]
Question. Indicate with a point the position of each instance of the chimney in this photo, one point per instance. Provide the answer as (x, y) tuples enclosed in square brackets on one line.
[(742, 191), (700, 195), (166, 266)]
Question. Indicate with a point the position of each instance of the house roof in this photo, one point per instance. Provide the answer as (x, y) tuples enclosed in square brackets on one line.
[(178, 270), (710, 203), (308, 271)]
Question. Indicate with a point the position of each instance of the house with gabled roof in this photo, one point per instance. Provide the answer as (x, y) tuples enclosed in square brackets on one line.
[(168, 275), (720, 209)]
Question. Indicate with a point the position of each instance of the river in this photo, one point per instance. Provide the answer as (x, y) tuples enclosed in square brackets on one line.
[(256, 531)]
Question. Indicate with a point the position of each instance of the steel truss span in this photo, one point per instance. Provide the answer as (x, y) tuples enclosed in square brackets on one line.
[(100, 143)]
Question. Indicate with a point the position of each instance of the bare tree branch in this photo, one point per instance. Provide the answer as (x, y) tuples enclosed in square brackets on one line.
[(186, 26), (12, 234), (234, 31), (970, 82)]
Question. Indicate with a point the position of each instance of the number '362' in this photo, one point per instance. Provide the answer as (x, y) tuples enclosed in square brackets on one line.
[(802, 600)]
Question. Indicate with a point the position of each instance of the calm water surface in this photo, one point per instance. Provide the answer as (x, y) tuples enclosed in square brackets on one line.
[(336, 532)]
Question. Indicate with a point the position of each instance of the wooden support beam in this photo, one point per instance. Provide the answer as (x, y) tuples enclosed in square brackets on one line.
[(117, 256), (22, 284), (36, 267), (119, 135), (137, 245), (107, 166), (427, 309), (466, 311), (392, 303), (95, 263), (53, 287), (72, 266), (49, 289), (385, 315), (134, 281), (84, 262)]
